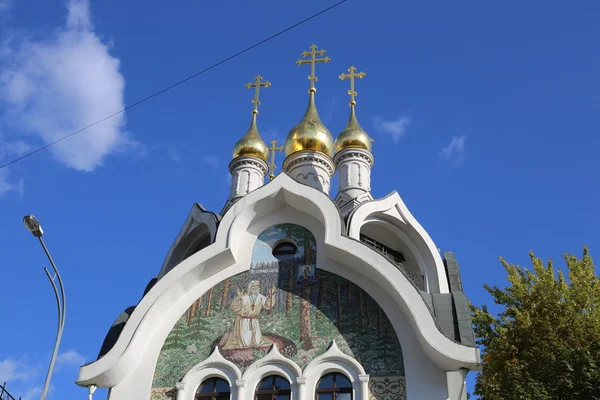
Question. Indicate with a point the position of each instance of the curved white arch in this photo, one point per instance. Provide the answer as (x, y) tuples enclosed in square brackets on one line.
[(199, 223), (401, 235), (135, 354), (214, 366), (334, 360), (334, 354), (273, 363), (393, 206)]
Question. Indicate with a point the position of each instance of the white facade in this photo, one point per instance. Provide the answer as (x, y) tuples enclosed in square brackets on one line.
[(290, 284), (435, 364), (311, 168), (354, 178), (247, 174)]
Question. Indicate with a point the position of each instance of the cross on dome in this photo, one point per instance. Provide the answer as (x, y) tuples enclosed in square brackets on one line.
[(272, 164), (257, 85), (251, 144), (353, 136), (351, 76), (313, 53)]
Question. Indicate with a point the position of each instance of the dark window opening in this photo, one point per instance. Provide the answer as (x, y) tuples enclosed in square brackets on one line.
[(285, 250), (214, 389), (334, 386), (398, 258), (382, 248), (273, 388)]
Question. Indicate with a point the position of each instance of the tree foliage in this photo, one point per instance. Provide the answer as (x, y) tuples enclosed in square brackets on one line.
[(545, 344)]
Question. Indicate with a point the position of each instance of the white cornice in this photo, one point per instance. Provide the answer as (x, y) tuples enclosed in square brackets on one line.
[(393, 209), (138, 346)]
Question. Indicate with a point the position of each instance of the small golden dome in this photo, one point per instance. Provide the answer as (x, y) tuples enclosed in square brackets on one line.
[(353, 136), (251, 144), (310, 133)]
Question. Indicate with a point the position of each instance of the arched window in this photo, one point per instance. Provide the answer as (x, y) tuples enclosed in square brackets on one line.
[(214, 389), (334, 386), (273, 388)]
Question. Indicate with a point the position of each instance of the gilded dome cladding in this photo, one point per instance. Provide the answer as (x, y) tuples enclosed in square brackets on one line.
[(251, 144), (310, 133), (353, 136)]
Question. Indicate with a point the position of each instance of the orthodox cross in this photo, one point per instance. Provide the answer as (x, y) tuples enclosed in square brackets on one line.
[(313, 53), (256, 85), (272, 165), (351, 76)]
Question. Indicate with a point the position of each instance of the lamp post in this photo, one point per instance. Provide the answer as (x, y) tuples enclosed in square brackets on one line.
[(33, 226)]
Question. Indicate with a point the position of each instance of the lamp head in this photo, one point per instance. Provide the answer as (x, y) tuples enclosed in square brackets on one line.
[(33, 225)]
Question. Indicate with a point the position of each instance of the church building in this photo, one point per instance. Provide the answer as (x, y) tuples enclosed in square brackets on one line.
[(291, 293)]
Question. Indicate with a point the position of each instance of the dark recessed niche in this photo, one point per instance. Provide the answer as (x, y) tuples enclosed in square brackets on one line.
[(285, 249)]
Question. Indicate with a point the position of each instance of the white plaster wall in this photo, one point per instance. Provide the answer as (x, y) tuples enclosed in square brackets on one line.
[(247, 174), (354, 171), (423, 379), (457, 385), (391, 236), (129, 366), (393, 210), (197, 224), (310, 168), (302, 382)]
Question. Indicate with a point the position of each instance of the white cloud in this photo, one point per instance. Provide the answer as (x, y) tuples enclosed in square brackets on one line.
[(5, 5), (173, 154), (211, 160), (272, 134), (7, 186), (329, 110), (33, 393), (455, 151), (64, 82), (19, 376), (16, 149), (71, 358), (12, 370), (395, 128), (162, 149)]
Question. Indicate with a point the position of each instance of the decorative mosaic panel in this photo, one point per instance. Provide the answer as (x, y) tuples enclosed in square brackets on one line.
[(163, 394), (289, 301), (387, 388)]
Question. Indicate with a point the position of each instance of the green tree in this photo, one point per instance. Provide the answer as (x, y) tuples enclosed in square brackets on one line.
[(545, 344)]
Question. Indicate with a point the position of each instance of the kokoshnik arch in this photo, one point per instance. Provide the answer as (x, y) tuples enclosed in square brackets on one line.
[(290, 294)]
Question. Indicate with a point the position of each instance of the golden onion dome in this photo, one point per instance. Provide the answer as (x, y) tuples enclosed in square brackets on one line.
[(353, 136), (251, 144), (310, 133)]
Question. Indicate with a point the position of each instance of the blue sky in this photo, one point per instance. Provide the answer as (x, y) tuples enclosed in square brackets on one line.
[(485, 117)]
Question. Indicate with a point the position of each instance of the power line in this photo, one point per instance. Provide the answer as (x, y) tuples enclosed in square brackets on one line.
[(175, 84)]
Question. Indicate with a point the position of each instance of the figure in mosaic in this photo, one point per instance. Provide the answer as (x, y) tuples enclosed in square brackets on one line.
[(247, 307)]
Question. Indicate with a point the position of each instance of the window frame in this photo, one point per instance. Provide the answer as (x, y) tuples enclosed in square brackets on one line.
[(214, 395), (334, 391), (273, 392)]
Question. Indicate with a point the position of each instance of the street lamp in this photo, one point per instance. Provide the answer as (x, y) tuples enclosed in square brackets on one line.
[(33, 226)]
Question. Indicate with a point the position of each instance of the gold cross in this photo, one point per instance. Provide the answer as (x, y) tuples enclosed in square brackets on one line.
[(257, 84), (272, 165), (313, 53), (351, 76)]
